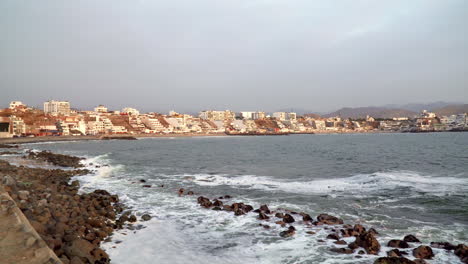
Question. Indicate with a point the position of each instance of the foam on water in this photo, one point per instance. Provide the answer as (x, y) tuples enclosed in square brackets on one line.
[(181, 231), (362, 183)]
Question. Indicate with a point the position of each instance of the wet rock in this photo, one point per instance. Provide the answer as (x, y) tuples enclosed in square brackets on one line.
[(306, 217), (423, 252), (373, 231), (353, 245), (263, 216), (146, 186), (239, 212), (247, 208), (217, 208), (265, 226), (281, 223), (227, 207), (411, 239), (181, 191), (393, 260), (288, 218), (190, 193), (443, 245), (217, 202), (288, 233), (132, 219), (329, 219), (462, 252), (340, 242), (333, 236), (310, 232), (279, 215), (367, 241), (142, 180), (264, 208), (146, 217), (80, 248), (227, 197), (394, 253), (359, 229), (342, 250), (205, 202), (397, 243)]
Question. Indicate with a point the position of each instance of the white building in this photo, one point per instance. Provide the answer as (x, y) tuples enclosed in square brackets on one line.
[(131, 111), (153, 124), (15, 104), (217, 115), (57, 107), (100, 109)]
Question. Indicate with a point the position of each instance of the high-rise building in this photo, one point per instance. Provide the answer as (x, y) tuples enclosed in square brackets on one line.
[(57, 107)]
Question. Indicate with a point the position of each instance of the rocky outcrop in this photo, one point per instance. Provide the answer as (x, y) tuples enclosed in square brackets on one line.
[(19, 242), (393, 260), (367, 241), (462, 252), (423, 252), (56, 159)]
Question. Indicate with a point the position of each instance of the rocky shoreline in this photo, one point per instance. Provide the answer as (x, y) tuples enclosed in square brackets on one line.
[(365, 238), (71, 224)]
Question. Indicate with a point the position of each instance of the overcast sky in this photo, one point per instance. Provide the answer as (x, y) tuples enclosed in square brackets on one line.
[(191, 55)]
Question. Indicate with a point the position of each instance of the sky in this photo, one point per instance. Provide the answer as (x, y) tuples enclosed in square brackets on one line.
[(189, 55)]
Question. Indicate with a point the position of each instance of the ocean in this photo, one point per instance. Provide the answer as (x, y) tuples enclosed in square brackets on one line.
[(398, 184)]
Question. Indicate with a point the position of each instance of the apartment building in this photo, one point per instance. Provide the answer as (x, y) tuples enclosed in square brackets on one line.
[(57, 107)]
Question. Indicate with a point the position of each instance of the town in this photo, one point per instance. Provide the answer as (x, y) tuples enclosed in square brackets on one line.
[(57, 118)]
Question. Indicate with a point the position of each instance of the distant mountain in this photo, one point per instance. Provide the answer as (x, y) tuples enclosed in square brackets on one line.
[(377, 112), (418, 107), (451, 109)]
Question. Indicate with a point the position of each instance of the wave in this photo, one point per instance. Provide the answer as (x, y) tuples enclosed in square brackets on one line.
[(361, 183)]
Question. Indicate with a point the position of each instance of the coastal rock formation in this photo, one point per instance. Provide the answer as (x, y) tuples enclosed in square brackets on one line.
[(72, 225), (462, 252), (367, 241), (56, 159), (411, 239), (397, 244), (443, 245), (329, 220), (19, 242), (423, 252), (393, 260)]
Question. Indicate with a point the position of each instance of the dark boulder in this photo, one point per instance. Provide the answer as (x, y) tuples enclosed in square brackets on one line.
[(394, 253), (423, 252), (329, 219), (443, 245), (263, 216), (217, 202), (288, 233), (205, 202), (287, 218), (279, 215), (397, 243), (342, 250), (146, 217), (393, 260), (411, 239), (367, 241), (264, 208), (306, 217), (333, 236), (462, 252)]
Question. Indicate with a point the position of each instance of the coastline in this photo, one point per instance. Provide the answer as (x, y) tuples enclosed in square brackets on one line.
[(58, 223)]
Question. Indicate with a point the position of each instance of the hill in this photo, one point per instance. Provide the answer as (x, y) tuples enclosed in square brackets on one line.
[(451, 110), (377, 112)]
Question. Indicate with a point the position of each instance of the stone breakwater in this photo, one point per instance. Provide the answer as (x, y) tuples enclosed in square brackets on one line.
[(72, 225), (365, 242)]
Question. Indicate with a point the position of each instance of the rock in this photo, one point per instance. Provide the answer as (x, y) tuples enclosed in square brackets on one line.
[(443, 245), (132, 219), (279, 215), (306, 217), (353, 245), (340, 242), (146, 217), (310, 232), (397, 243), (333, 236), (23, 195), (142, 180), (247, 208), (146, 186), (239, 212), (205, 202), (288, 218), (394, 253), (342, 250), (190, 193), (373, 231), (264, 208), (281, 223), (423, 252), (329, 219), (263, 216), (80, 248), (181, 191), (288, 233), (359, 229), (367, 241), (217, 202), (411, 239), (393, 260), (462, 252)]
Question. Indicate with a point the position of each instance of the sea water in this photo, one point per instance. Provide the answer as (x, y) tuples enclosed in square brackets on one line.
[(397, 183)]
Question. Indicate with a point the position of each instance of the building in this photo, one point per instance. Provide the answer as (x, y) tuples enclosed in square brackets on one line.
[(283, 116), (258, 115), (217, 115), (153, 124), (57, 107), (100, 109), (16, 104), (130, 111), (5, 131), (18, 126)]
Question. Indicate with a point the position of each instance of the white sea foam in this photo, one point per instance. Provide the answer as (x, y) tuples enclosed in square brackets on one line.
[(362, 183)]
